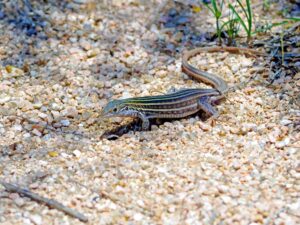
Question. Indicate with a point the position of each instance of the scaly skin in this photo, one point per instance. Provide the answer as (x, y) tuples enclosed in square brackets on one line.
[(181, 103)]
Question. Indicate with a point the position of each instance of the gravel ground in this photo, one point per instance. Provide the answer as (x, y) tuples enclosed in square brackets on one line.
[(242, 168)]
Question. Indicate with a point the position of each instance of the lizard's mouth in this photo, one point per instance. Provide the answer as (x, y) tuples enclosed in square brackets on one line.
[(107, 115)]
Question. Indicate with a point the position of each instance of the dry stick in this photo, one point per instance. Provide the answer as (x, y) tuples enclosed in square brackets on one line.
[(49, 202)]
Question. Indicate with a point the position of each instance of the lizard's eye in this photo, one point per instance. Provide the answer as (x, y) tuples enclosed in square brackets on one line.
[(115, 109)]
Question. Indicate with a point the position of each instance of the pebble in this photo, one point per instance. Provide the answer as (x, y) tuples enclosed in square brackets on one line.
[(53, 153), (36, 219), (36, 132), (85, 45), (138, 217), (37, 105), (19, 202), (282, 143), (4, 98), (204, 126), (65, 123), (77, 153), (285, 122), (70, 112), (93, 52), (245, 62), (18, 127), (55, 114), (43, 115), (55, 106), (235, 68)]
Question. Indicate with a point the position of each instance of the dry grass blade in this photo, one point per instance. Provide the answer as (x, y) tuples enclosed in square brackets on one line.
[(49, 202)]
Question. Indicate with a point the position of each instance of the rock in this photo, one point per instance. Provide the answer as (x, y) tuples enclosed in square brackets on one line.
[(53, 153), (85, 45), (77, 153), (55, 106), (55, 114), (245, 62), (36, 219), (282, 143), (65, 123), (285, 122), (70, 112), (18, 127), (36, 132), (43, 115), (19, 201), (14, 71), (93, 52), (137, 216), (37, 105), (4, 98), (235, 67)]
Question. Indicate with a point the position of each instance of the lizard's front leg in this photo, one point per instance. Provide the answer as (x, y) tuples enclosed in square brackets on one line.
[(145, 120), (204, 103)]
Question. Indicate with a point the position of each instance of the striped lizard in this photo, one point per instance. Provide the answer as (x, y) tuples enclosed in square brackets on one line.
[(182, 103)]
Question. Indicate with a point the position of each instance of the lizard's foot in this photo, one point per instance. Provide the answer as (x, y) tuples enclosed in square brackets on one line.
[(204, 104), (146, 125)]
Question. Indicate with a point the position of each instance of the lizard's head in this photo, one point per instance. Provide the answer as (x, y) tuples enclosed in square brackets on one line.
[(115, 108)]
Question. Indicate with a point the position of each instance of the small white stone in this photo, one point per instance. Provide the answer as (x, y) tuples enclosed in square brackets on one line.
[(55, 106), (70, 112), (19, 201), (246, 62), (55, 114), (36, 219), (37, 105), (77, 153), (4, 98), (234, 192), (26, 135), (37, 133), (126, 94), (138, 217), (282, 143), (43, 115), (235, 68), (64, 155), (106, 148), (18, 127), (285, 122)]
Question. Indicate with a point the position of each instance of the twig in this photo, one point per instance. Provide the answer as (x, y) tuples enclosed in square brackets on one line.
[(49, 202)]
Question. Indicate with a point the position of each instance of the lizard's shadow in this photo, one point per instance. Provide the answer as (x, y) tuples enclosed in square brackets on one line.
[(136, 126)]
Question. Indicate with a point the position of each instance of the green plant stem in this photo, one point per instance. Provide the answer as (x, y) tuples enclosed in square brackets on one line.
[(218, 31)]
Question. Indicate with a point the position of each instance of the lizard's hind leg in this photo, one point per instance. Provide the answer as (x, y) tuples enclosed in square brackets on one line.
[(204, 104)]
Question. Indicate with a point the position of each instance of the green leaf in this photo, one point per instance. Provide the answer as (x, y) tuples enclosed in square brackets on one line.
[(239, 18), (297, 19)]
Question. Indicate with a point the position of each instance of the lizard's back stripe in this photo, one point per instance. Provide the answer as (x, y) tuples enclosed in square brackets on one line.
[(169, 100)]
